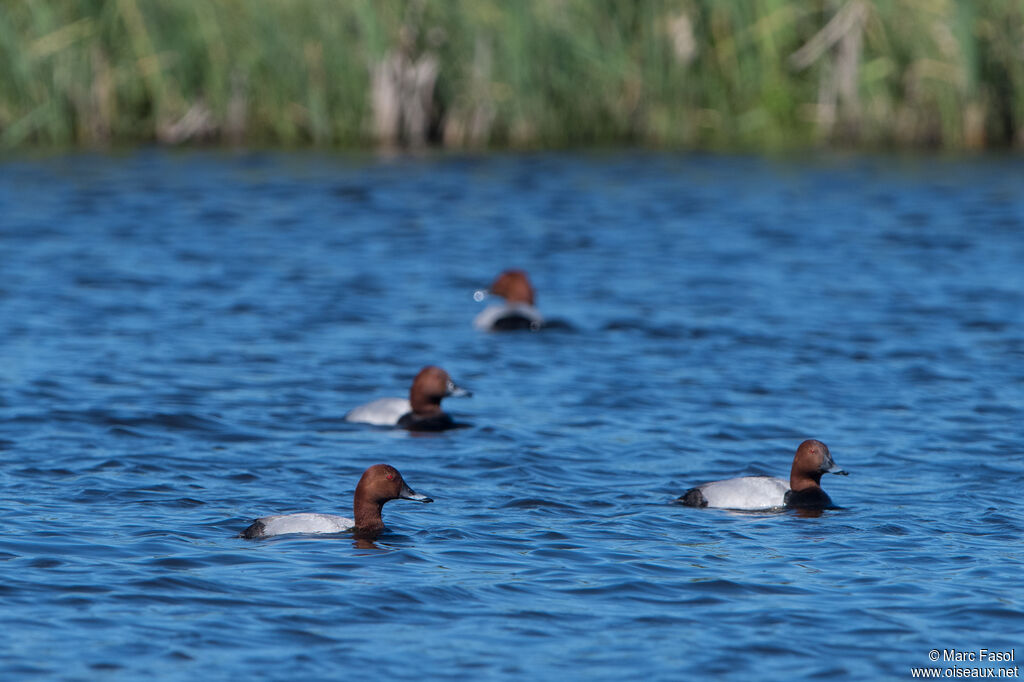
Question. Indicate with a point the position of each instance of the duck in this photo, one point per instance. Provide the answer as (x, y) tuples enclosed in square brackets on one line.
[(802, 491), (518, 311), (421, 411), (378, 484)]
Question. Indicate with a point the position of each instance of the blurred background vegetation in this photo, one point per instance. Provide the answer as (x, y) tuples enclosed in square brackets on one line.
[(722, 74)]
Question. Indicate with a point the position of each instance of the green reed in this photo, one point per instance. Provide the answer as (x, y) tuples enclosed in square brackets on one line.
[(740, 74)]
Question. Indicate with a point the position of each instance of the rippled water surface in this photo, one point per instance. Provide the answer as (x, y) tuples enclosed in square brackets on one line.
[(182, 334)]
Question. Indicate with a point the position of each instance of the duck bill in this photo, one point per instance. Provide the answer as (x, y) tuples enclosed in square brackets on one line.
[(410, 494), (834, 469), (456, 391)]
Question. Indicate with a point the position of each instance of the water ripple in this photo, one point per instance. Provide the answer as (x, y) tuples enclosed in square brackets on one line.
[(184, 333)]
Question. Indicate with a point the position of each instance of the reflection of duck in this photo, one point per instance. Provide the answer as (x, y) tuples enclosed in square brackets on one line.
[(379, 483), (517, 312), (421, 411), (803, 491)]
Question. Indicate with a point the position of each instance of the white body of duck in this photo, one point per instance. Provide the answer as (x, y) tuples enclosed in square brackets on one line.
[(380, 412), (305, 523), (509, 315), (747, 492)]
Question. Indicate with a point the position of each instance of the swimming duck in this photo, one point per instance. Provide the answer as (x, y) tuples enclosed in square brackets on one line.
[(517, 312), (421, 411), (378, 484), (802, 491)]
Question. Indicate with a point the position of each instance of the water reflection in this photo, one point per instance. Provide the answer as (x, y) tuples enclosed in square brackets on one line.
[(807, 513), (364, 543)]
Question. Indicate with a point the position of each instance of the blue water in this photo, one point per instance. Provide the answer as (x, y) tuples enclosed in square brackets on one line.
[(182, 334)]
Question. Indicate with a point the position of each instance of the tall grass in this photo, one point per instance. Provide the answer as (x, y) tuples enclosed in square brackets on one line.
[(748, 74)]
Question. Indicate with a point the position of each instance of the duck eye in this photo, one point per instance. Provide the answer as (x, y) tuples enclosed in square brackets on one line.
[(391, 477)]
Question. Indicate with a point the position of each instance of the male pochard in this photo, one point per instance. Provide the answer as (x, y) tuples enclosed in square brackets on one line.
[(517, 312), (421, 411), (803, 491), (379, 483)]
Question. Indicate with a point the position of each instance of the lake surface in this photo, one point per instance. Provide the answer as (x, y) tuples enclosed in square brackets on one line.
[(183, 333)]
